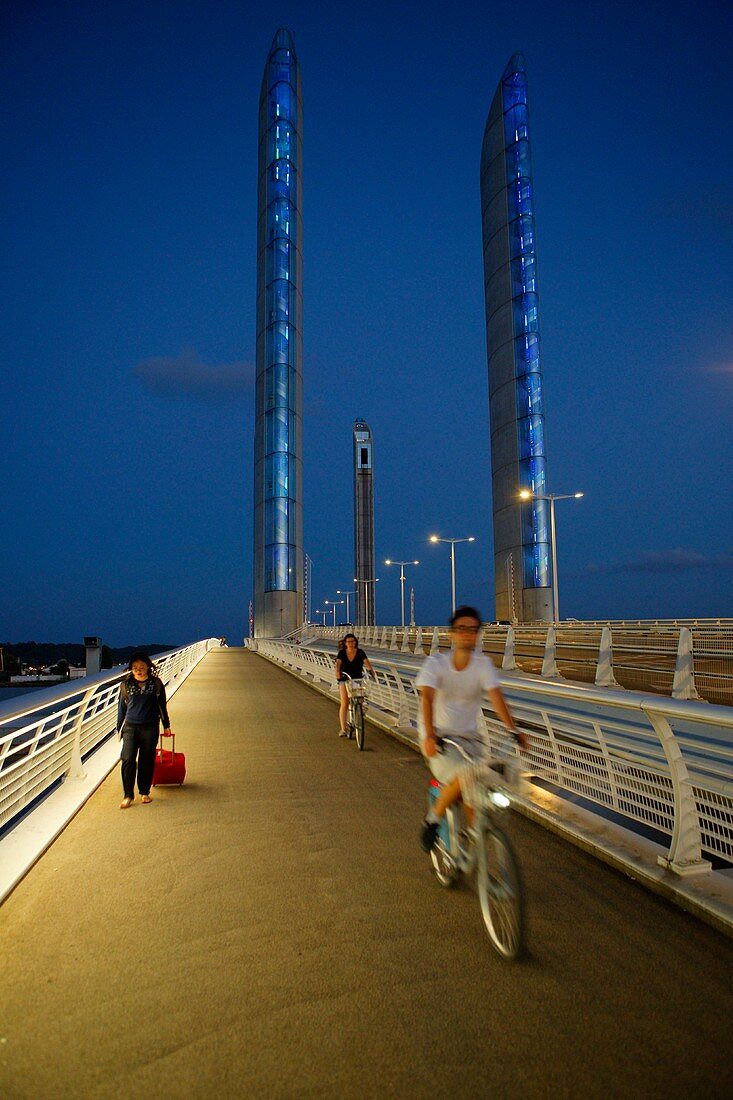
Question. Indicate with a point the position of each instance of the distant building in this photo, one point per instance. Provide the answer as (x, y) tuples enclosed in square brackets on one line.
[(278, 478), (522, 565), (364, 563)]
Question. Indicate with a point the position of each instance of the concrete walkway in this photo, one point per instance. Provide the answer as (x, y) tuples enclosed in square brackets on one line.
[(271, 929)]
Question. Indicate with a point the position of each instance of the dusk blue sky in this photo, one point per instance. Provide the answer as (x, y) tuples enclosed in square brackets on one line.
[(129, 184)]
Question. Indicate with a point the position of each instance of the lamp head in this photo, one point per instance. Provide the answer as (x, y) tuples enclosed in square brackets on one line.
[(525, 494), (434, 538), (578, 495)]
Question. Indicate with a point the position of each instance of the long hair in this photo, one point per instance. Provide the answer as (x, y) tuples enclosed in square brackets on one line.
[(138, 655)]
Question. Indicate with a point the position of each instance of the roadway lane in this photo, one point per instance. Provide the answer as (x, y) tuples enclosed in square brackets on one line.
[(272, 929)]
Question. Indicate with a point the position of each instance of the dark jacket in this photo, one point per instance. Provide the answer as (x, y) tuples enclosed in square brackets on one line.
[(142, 704)]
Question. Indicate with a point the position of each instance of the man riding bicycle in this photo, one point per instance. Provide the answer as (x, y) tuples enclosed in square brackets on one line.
[(452, 687)]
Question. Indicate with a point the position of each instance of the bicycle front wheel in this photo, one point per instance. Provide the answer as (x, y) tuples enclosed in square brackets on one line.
[(500, 892), (359, 724)]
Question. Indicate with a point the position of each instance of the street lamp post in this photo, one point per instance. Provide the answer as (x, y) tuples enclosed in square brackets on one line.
[(366, 581), (436, 538), (402, 564), (527, 494), (321, 613), (347, 594)]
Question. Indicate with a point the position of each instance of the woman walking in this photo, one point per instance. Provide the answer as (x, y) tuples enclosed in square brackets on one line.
[(141, 706)]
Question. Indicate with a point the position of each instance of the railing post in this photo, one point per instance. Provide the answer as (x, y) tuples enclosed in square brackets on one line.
[(405, 647), (604, 668), (403, 711), (393, 643), (509, 663), (685, 850), (683, 686), (76, 768), (549, 662), (418, 642), (384, 637), (435, 644)]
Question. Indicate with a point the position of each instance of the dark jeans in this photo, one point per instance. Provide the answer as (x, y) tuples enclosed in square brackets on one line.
[(138, 756)]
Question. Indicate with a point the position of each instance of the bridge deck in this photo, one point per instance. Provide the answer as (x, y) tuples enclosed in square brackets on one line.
[(272, 929)]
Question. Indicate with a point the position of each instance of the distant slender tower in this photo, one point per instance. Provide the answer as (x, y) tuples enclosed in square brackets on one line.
[(278, 499), (364, 563), (522, 566)]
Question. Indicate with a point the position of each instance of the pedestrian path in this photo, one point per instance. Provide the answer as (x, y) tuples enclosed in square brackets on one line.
[(271, 929)]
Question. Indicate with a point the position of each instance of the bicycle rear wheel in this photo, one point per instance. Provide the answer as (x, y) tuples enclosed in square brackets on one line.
[(359, 724), (500, 892)]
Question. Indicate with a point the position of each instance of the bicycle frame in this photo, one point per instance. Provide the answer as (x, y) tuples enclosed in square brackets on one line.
[(483, 847)]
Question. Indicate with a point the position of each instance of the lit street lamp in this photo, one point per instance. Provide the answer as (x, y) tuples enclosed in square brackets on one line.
[(527, 494), (402, 564), (321, 613), (436, 538), (333, 604), (347, 594)]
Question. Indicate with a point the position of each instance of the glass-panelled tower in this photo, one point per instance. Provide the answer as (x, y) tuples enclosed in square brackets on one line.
[(364, 563), (522, 565), (278, 500)]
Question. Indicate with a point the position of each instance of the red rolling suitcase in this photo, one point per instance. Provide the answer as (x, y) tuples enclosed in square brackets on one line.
[(170, 766)]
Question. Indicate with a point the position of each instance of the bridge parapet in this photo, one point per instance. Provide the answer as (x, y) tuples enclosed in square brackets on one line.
[(687, 659)]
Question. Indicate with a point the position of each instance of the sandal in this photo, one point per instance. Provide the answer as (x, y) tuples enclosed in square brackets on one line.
[(145, 799), (126, 803)]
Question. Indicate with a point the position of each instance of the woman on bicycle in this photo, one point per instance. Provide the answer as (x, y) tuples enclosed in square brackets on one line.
[(350, 661)]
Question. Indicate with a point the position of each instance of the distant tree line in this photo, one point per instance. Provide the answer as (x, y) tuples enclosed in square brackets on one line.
[(58, 658)]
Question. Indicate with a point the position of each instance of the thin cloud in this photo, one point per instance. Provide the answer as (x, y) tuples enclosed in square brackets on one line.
[(188, 376), (666, 561), (709, 209)]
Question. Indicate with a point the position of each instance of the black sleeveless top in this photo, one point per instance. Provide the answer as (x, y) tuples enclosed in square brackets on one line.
[(355, 668)]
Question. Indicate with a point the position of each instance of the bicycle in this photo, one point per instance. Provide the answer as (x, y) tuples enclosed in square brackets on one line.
[(460, 849), (357, 705)]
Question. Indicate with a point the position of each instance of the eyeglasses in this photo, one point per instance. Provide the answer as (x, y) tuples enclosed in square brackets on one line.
[(466, 629)]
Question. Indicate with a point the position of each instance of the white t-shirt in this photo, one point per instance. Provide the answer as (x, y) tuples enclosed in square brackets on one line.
[(458, 695)]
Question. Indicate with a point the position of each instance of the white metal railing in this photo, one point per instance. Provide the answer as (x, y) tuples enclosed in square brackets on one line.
[(46, 735), (662, 763), (685, 660)]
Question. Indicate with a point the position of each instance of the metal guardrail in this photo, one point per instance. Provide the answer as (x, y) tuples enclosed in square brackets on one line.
[(662, 763), (46, 735), (685, 661)]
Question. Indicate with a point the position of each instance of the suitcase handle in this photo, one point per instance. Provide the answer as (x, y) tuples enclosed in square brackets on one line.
[(160, 744)]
